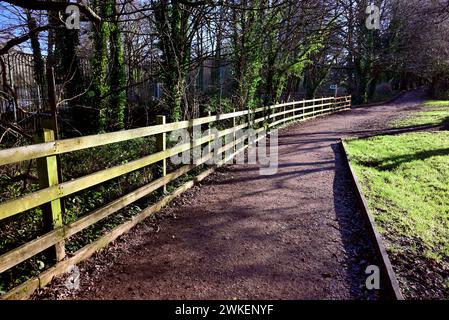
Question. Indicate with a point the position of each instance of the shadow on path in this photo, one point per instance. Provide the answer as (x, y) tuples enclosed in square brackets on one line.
[(295, 235)]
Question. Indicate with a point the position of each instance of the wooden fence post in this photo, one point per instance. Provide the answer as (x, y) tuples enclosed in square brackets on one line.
[(53, 101), (48, 176), (303, 108), (161, 145), (209, 131), (234, 135)]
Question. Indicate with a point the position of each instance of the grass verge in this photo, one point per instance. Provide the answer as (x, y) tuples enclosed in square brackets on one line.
[(405, 180), (435, 112)]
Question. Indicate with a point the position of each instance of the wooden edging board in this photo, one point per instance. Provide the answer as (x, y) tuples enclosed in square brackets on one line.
[(393, 290)]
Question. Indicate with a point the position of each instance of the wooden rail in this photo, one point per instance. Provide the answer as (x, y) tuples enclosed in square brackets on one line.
[(53, 192)]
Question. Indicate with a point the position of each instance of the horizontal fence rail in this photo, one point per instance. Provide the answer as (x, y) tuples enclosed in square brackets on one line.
[(55, 191)]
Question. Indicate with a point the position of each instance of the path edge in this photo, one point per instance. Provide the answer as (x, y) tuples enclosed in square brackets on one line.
[(392, 283)]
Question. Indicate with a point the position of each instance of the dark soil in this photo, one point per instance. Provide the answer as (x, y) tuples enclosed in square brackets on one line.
[(295, 235)]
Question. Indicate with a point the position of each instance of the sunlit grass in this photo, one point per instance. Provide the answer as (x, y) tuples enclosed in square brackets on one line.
[(405, 179), (436, 113), (437, 103)]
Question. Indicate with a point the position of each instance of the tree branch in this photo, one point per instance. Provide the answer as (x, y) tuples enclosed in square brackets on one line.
[(55, 6), (16, 41)]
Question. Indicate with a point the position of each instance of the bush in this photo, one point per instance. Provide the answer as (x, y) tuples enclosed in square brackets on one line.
[(219, 105), (384, 89)]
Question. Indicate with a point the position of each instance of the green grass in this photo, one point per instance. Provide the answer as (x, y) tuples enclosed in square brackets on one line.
[(405, 179), (436, 112), (437, 103)]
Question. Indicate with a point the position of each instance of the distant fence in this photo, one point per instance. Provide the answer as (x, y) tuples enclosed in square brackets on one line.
[(24, 94), (54, 192)]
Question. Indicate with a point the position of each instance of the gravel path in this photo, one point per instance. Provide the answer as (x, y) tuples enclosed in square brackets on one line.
[(294, 235)]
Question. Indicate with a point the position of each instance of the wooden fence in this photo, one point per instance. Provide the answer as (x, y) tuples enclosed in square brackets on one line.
[(53, 191)]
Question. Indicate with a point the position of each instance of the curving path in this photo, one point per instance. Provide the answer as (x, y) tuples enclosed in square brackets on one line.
[(294, 235)]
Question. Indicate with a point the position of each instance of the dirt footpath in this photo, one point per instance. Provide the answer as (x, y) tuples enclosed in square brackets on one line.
[(294, 235)]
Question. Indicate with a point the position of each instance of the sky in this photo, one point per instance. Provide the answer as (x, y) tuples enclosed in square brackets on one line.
[(12, 24)]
